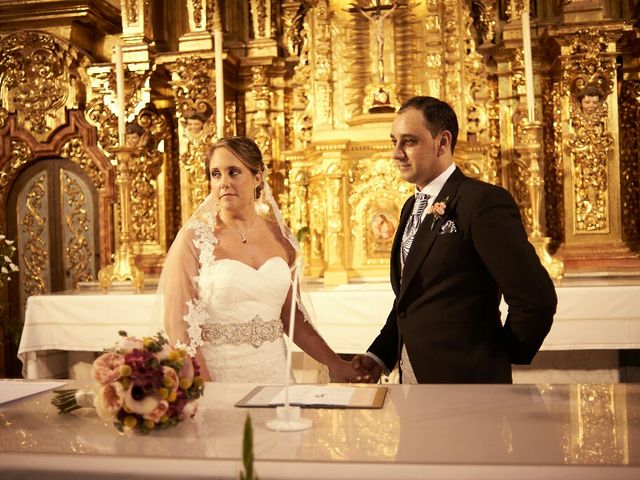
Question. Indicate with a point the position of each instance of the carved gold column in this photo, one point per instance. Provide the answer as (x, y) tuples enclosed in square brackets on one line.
[(337, 224), (123, 269), (199, 35), (137, 31), (530, 151), (593, 231)]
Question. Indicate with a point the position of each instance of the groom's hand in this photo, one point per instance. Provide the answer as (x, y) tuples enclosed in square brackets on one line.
[(369, 368)]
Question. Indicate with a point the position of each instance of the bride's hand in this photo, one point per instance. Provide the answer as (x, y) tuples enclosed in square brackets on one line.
[(343, 372)]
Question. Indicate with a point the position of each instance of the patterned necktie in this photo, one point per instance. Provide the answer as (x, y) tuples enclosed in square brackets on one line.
[(413, 223)]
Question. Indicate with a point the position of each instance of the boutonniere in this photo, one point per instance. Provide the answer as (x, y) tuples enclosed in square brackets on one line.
[(437, 210)]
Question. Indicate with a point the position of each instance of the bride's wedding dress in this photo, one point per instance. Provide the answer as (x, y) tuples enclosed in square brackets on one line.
[(241, 331)]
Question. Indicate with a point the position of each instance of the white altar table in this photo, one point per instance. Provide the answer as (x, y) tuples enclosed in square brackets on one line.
[(422, 432), (348, 317)]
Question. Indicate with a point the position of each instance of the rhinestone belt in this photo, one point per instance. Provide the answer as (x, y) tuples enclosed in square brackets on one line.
[(256, 332)]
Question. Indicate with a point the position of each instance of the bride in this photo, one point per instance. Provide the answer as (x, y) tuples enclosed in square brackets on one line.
[(227, 279)]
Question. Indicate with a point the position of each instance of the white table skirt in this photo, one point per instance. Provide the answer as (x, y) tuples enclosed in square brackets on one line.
[(348, 317)]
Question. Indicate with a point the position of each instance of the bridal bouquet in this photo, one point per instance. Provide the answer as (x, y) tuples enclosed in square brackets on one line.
[(144, 385)]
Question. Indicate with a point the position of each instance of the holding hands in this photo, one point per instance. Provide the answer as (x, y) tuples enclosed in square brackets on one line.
[(361, 369), (368, 369)]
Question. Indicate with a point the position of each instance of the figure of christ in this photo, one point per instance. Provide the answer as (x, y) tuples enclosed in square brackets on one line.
[(377, 15)]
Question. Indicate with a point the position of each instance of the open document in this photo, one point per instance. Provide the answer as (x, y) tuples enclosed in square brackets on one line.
[(318, 396)]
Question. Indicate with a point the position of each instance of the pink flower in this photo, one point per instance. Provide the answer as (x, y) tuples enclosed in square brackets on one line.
[(158, 412), (437, 208), (109, 400), (106, 368)]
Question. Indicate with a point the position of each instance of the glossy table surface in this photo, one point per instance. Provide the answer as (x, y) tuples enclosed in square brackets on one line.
[(423, 431)]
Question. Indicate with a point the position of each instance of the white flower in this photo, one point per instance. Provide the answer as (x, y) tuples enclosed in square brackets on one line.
[(144, 406), (2, 237), (9, 242), (7, 258), (13, 267), (4, 270)]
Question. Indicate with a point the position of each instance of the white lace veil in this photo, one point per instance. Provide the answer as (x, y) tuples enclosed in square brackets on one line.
[(177, 293)]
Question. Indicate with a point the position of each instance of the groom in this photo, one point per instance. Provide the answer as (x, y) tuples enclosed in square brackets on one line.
[(459, 246)]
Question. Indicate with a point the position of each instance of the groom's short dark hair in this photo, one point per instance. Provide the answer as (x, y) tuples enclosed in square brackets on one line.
[(438, 116)]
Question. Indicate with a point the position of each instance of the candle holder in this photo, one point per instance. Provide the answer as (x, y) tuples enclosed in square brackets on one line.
[(123, 269), (530, 150)]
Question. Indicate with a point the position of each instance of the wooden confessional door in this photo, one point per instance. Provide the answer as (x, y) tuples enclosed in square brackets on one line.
[(52, 213)]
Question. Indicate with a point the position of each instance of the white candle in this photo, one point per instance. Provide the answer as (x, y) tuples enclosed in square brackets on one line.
[(217, 38), (292, 321), (120, 96), (528, 62)]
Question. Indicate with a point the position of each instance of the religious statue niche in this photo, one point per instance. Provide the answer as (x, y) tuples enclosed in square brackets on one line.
[(381, 95), (590, 143), (374, 202)]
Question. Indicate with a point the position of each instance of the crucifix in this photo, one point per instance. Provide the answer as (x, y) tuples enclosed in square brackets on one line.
[(377, 14)]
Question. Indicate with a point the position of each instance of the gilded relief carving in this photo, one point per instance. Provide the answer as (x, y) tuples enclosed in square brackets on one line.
[(552, 150), (293, 16), (78, 253), (588, 77), (484, 17), (20, 155), (375, 200), (145, 134), (132, 11), (34, 259), (194, 91), (629, 157), (37, 81), (74, 150), (197, 12), (260, 10), (322, 66)]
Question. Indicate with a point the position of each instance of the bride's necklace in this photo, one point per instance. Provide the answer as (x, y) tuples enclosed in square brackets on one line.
[(243, 235)]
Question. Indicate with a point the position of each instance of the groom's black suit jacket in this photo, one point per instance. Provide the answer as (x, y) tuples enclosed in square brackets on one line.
[(446, 309)]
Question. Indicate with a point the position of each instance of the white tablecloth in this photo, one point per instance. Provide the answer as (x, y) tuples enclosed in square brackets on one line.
[(348, 317)]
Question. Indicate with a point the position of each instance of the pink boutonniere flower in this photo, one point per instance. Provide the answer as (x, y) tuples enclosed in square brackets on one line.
[(437, 210)]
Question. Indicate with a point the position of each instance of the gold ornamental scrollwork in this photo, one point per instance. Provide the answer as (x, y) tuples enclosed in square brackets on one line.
[(588, 79), (375, 204), (149, 129), (194, 88), (34, 255), (36, 80), (74, 150), (78, 251), (21, 154)]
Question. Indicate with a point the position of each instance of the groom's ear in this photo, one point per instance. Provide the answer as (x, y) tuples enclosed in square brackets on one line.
[(445, 141)]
